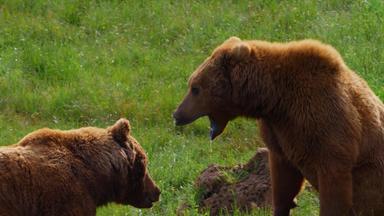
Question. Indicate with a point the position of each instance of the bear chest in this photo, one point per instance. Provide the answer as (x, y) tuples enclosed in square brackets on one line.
[(293, 148)]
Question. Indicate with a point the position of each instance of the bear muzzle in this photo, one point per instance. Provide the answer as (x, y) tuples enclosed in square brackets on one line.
[(181, 119)]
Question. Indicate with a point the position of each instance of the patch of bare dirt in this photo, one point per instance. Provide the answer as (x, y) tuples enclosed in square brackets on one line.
[(244, 186)]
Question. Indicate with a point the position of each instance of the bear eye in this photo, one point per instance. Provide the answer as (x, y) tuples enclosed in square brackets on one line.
[(195, 91)]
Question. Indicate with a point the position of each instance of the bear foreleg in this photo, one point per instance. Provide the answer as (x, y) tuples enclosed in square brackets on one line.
[(286, 184), (335, 189)]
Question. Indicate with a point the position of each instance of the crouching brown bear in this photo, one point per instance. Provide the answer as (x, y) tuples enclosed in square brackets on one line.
[(318, 118), (53, 172)]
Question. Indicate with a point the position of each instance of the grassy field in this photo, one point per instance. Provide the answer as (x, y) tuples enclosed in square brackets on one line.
[(68, 64)]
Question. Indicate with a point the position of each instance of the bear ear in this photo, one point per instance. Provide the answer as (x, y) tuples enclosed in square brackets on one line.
[(233, 39), (120, 130), (240, 50)]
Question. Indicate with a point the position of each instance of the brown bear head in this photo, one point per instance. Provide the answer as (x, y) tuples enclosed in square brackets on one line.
[(215, 88), (140, 191)]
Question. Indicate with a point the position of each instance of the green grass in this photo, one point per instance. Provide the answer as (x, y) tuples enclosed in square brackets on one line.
[(67, 64)]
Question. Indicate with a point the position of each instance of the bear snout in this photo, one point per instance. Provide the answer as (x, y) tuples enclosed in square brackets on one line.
[(154, 196), (179, 119), (149, 198), (152, 191)]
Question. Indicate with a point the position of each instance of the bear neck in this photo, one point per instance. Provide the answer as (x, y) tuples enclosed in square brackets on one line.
[(255, 91), (100, 171), (112, 182)]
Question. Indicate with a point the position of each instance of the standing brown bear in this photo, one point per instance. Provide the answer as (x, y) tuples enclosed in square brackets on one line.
[(318, 118), (53, 172)]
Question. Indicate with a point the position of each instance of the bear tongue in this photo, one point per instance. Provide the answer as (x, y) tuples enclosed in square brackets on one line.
[(216, 128)]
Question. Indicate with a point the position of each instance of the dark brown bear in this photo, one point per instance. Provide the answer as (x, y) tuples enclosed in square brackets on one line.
[(318, 118), (53, 172)]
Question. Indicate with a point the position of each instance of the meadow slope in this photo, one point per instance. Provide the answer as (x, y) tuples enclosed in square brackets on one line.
[(68, 64)]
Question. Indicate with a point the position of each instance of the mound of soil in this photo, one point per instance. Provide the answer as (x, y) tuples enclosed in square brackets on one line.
[(244, 187)]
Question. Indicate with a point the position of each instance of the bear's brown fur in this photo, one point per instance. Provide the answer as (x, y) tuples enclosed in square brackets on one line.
[(318, 118), (53, 172)]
